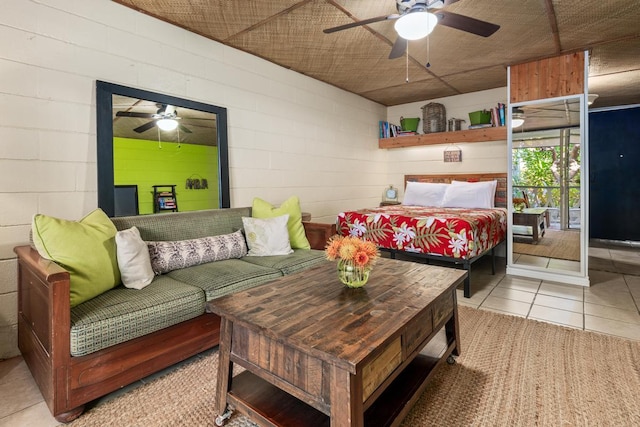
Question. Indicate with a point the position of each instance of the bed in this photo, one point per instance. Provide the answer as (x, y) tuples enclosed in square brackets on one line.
[(441, 223)]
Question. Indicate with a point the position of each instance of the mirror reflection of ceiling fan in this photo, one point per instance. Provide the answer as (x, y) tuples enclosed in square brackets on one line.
[(416, 19), (166, 118)]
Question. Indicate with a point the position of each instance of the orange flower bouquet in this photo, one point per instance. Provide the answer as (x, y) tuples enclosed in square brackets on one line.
[(355, 258)]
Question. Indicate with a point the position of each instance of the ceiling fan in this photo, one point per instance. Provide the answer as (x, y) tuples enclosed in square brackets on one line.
[(416, 19), (166, 118)]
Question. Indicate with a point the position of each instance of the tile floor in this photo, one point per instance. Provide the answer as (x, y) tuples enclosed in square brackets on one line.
[(610, 305)]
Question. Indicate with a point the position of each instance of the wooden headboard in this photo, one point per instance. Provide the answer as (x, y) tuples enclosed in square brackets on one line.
[(501, 178)]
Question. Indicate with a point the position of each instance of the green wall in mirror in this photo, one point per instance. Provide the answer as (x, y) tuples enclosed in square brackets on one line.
[(146, 163)]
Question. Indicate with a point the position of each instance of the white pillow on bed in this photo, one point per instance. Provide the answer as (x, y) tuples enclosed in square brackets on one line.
[(462, 194), (424, 194)]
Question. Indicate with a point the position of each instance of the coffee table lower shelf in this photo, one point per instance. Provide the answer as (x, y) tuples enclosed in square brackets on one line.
[(269, 405)]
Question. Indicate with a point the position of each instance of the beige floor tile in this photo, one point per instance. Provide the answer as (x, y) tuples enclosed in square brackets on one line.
[(506, 305), (476, 298), (599, 264), (622, 300), (531, 260), (629, 316), (520, 283), (37, 415), (576, 306), (18, 389), (562, 290), (612, 327), (555, 315), (628, 254), (563, 264), (599, 253), (606, 279), (606, 288), (514, 294)]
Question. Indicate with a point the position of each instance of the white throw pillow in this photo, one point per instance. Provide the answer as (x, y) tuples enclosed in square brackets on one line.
[(424, 194), (133, 259), (267, 236), (489, 186), (469, 195)]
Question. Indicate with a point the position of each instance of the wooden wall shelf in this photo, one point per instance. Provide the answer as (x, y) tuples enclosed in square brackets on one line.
[(471, 135)]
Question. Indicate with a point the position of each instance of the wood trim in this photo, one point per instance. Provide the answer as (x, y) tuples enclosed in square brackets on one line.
[(548, 78), (470, 135)]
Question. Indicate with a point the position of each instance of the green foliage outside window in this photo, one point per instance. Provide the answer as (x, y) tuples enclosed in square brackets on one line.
[(533, 168)]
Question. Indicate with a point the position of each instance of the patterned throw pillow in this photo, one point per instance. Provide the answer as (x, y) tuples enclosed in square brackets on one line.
[(169, 256)]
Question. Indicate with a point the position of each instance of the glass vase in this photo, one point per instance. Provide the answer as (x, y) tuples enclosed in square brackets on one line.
[(352, 275)]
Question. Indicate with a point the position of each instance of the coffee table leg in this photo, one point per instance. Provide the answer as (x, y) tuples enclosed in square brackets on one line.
[(224, 372), (346, 399)]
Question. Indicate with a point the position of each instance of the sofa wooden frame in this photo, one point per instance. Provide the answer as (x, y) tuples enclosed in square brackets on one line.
[(68, 383)]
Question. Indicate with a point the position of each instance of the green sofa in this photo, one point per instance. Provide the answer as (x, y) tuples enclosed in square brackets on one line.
[(77, 354)]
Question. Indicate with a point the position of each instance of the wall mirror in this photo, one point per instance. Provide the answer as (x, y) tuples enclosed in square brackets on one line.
[(548, 230), (162, 152)]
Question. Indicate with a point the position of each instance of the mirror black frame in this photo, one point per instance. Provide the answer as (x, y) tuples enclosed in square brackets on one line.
[(104, 128)]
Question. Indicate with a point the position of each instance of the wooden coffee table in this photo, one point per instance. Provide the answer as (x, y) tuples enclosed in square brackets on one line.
[(317, 353)]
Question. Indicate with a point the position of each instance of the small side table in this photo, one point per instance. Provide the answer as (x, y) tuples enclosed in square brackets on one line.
[(536, 218)]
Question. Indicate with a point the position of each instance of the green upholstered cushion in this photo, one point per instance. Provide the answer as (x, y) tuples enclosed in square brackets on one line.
[(299, 260), (85, 248), (291, 206), (225, 277), (123, 314)]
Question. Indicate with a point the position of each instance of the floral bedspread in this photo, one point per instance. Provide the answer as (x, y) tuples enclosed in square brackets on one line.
[(451, 232)]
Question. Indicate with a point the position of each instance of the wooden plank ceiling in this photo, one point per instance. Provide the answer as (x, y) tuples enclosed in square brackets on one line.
[(289, 33)]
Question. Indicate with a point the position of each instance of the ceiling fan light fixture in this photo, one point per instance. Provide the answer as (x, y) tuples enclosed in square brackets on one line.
[(416, 25), (167, 124), (517, 118)]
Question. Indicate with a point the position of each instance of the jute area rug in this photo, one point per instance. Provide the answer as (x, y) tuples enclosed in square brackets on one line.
[(512, 372), (555, 244)]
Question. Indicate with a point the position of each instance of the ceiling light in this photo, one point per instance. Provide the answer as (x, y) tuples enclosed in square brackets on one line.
[(517, 118), (416, 25), (591, 98), (167, 124)]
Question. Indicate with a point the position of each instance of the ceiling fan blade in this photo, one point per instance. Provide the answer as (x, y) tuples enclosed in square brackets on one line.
[(465, 23), (134, 114), (145, 127), (359, 23), (184, 129), (398, 49)]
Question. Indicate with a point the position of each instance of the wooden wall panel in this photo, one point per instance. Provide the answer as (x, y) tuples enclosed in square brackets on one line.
[(548, 78)]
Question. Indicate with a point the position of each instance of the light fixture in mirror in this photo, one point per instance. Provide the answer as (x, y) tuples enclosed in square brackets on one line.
[(591, 98), (167, 124), (517, 118), (416, 25), (130, 153)]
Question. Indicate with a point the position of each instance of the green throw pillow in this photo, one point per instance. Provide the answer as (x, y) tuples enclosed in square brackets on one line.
[(85, 248), (291, 206)]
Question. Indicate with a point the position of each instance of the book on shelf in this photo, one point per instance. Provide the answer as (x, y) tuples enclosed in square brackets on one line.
[(388, 130)]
